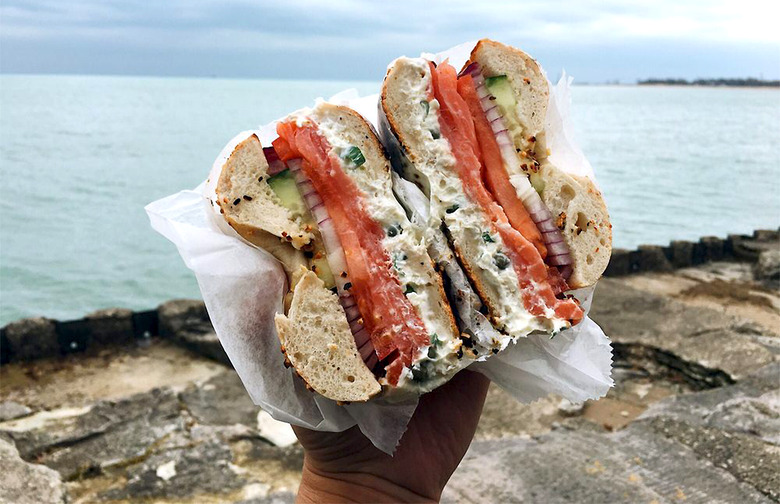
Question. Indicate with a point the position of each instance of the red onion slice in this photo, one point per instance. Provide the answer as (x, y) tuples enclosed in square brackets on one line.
[(367, 350), (352, 312), (372, 361), (275, 165), (557, 249), (546, 226), (361, 337), (356, 325), (558, 252), (469, 69)]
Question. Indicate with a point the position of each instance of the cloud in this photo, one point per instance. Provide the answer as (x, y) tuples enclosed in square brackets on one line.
[(302, 38)]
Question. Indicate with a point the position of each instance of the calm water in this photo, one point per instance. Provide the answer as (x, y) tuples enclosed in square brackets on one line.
[(81, 156)]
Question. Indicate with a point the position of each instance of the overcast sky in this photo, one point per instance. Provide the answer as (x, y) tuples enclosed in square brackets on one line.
[(595, 41)]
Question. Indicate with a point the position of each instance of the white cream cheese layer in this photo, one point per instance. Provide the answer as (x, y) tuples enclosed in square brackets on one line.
[(407, 252), (467, 223)]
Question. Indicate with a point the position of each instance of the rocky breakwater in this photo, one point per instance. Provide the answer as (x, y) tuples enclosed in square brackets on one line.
[(158, 415)]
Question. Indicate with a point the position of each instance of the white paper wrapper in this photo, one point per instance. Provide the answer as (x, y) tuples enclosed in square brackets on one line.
[(243, 287)]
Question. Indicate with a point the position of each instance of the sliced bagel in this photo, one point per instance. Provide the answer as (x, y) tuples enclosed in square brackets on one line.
[(344, 128), (411, 130), (526, 79), (575, 202), (317, 341), (396, 253), (253, 209), (248, 202), (581, 214)]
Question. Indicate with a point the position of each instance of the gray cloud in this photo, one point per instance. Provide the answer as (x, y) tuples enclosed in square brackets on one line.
[(350, 39)]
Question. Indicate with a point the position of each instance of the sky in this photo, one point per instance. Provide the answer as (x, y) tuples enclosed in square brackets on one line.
[(597, 41)]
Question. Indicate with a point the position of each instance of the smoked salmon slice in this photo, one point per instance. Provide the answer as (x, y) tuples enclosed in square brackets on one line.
[(495, 175), (395, 327), (457, 126)]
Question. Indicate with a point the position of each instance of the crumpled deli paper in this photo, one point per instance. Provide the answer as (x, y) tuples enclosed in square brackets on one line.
[(243, 286)]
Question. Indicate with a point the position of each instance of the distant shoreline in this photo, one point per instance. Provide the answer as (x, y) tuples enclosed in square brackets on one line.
[(750, 83)]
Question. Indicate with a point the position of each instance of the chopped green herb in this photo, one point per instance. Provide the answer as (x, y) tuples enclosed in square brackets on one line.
[(435, 134), (435, 339), (501, 260), (420, 372), (354, 156), (432, 352), (394, 230), (452, 208), (487, 238), (426, 107), (399, 257), (409, 289)]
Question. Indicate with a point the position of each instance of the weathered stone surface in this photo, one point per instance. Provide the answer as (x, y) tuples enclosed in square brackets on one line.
[(746, 248), (619, 263), (568, 408), (289, 457), (205, 343), (182, 314), (204, 468), (700, 336), (634, 261), (32, 338), (222, 400), (653, 258), (681, 253), (145, 324), (112, 325), (751, 406), (766, 235), (85, 440), (697, 447), (5, 350), (10, 410), (73, 335), (748, 459), (767, 269), (634, 465), (661, 364), (712, 248), (25, 483), (278, 498), (187, 322)]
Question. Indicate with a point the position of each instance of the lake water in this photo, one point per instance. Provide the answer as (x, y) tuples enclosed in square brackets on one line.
[(80, 156)]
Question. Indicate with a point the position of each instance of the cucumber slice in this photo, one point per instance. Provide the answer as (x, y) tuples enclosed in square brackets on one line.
[(322, 269), (501, 89), (283, 185), (537, 182)]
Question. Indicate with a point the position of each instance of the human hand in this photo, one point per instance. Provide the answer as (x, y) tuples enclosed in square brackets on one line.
[(346, 467)]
